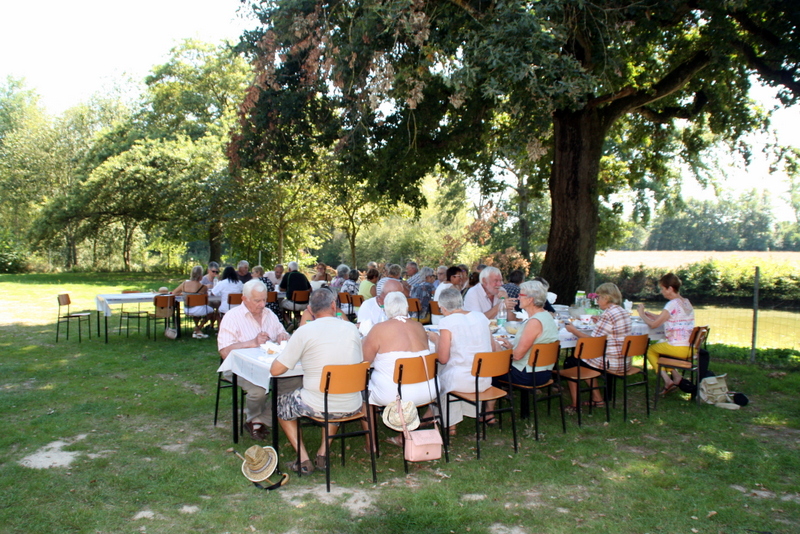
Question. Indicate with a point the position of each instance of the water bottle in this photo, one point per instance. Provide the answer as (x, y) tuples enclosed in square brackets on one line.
[(339, 315), (502, 314)]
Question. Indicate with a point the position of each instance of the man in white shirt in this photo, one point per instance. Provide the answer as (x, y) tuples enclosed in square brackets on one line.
[(372, 310), (413, 276), (485, 297), (276, 276), (249, 326), (324, 341)]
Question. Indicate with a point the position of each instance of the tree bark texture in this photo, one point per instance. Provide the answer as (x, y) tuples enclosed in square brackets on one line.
[(574, 218), (215, 241), (523, 194)]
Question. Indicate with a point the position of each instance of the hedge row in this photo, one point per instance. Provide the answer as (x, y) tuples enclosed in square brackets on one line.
[(713, 281)]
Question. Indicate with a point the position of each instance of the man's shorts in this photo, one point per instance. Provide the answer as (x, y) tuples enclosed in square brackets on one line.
[(291, 406)]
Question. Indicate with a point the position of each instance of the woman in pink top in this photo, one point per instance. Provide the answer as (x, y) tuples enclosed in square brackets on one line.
[(678, 320)]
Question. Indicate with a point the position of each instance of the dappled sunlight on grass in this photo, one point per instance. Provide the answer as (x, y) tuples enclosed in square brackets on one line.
[(770, 420), (715, 451), (48, 387)]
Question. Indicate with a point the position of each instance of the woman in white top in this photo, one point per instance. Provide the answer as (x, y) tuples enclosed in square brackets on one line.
[(462, 334), (228, 284), (453, 277), (678, 320), (202, 313)]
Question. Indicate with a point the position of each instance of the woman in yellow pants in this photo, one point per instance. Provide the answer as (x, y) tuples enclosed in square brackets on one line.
[(678, 320)]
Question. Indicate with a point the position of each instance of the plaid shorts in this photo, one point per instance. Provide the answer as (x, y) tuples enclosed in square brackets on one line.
[(291, 406)]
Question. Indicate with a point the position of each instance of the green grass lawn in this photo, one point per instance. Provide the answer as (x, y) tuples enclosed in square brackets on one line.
[(137, 414)]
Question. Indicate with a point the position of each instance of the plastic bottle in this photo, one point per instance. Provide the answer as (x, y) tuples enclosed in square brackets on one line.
[(502, 314)]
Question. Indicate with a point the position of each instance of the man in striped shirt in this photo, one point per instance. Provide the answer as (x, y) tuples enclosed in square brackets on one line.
[(249, 326)]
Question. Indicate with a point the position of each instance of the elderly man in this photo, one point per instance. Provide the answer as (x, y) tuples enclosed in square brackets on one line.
[(393, 271), (372, 310), (249, 326), (294, 281), (276, 276), (413, 276), (441, 276), (243, 272), (485, 296), (325, 341)]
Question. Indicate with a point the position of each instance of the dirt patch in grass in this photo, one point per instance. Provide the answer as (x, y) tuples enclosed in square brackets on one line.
[(52, 455), (780, 437), (358, 502)]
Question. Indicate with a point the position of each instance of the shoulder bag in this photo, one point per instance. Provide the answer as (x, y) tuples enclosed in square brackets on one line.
[(421, 445)]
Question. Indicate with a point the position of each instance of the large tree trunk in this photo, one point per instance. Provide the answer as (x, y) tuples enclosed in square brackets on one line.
[(523, 194), (574, 219), (215, 241)]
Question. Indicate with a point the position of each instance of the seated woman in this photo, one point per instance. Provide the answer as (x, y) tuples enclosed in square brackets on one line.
[(395, 338), (424, 290), (258, 272), (678, 320), (229, 283), (540, 328), (615, 322), (462, 334), (200, 314), (321, 273), (350, 286), (367, 287), (342, 273)]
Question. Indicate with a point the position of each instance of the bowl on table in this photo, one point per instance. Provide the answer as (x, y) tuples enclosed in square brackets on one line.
[(512, 327)]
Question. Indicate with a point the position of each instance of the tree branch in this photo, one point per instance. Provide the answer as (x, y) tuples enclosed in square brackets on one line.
[(675, 112), (785, 77)]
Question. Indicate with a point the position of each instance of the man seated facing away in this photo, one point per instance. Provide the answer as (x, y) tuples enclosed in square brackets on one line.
[(372, 310), (485, 296), (293, 281), (325, 341), (249, 326)]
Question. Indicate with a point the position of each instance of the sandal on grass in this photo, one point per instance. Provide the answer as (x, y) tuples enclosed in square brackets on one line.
[(319, 462), (490, 421), (594, 404), (304, 468), (669, 389), (570, 410)]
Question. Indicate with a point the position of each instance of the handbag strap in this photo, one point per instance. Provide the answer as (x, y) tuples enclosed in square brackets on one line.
[(428, 382), (406, 433)]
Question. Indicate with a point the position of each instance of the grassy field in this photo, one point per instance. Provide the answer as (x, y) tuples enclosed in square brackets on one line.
[(671, 259), (136, 417)]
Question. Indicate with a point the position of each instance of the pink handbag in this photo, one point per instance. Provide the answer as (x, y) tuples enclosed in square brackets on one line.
[(421, 445)]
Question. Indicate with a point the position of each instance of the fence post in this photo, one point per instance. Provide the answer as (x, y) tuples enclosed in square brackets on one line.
[(755, 315)]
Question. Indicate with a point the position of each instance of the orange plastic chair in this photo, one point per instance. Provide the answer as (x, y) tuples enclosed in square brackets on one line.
[(696, 341)]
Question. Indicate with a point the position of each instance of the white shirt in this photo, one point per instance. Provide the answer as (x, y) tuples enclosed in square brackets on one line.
[(477, 300), (442, 287), (223, 289), (371, 311), (275, 281)]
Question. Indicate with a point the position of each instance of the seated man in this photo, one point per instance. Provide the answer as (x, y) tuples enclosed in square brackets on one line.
[(249, 326), (293, 281), (243, 272), (276, 276), (325, 341), (372, 309), (485, 296)]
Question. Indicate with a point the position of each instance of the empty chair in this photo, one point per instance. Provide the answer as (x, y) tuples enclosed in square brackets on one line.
[(164, 308), (587, 348), (80, 317), (487, 365), (138, 315), (632, 346)]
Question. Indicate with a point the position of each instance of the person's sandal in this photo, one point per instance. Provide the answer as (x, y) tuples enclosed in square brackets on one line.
[(305, 468), (319, 462), (669, 389)]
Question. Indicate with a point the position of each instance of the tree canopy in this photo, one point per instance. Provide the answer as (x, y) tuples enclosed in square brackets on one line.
[(575, 90)]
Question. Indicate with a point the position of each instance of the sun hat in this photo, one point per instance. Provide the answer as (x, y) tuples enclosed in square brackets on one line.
[(163, 290), (391, 417), (259, 463)]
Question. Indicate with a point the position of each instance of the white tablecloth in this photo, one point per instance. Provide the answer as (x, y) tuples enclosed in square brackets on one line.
[(569, 340), (104, 302), (253, 365)]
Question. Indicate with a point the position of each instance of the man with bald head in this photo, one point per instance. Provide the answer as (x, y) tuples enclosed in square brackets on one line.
[(372, 309)]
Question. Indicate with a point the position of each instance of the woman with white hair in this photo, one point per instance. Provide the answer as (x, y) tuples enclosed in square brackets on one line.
[(397, 337), (342, 273), (202, 313), (462, 334)]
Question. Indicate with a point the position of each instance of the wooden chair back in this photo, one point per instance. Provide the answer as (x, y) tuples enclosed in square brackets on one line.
[(342, 379), (414, 305), (234, 299), (635, 345), (301, 297), (434, 306), (544, 355), (272, 297), (490, 364), (63, 299), (196, 300), (344, 298), (356, 300), (411, 370), (590, 347), (164, 304), (698, 337)]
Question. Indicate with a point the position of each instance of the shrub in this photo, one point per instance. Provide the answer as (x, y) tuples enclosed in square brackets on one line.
[(12, 257)]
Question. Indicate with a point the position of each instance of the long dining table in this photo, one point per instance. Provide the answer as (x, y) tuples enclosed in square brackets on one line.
[(253, 365)]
